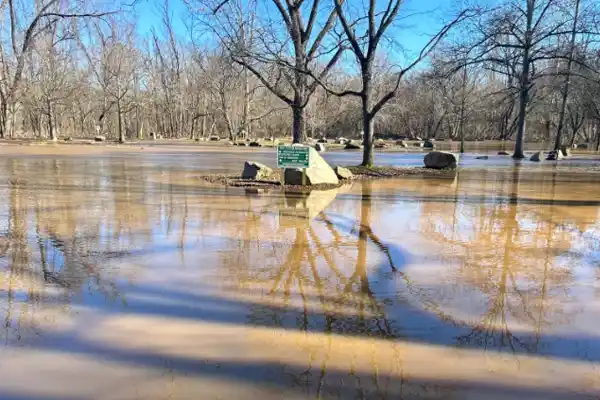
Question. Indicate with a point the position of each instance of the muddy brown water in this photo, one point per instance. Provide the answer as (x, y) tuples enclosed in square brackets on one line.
[(123, 277)]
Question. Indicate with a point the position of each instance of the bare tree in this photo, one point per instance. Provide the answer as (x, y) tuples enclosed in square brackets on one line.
[(24, 29), (279, 50), (380, 18)]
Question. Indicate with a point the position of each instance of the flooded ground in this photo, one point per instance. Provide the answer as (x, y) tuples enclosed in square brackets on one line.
[(122, 277)]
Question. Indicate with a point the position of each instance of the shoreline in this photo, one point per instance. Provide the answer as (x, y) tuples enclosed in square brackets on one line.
[(359, 174)]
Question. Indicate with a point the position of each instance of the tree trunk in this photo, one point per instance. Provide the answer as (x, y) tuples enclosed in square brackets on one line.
[(120, 122), (51, 127), (597, 135), (462, 110), (524, 84), (3, 118), (368, 118), (565, 91), (298, 123)]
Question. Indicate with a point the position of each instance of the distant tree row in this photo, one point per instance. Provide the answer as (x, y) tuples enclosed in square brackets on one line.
[(522, 70)]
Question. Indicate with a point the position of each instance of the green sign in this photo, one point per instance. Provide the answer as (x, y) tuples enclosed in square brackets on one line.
[(293, 157)]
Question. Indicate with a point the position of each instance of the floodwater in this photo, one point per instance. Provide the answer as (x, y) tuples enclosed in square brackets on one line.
[(123, 277)]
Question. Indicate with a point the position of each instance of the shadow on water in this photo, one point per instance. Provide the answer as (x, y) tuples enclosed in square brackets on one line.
[(337, 267)]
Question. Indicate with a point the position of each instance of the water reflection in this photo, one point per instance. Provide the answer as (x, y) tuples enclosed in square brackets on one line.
[(368, 291)]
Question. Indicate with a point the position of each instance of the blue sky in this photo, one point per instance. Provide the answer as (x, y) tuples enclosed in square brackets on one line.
[(412, 33)]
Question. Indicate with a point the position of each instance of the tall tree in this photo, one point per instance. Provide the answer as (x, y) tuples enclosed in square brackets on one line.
[(379, 17), (278, 50), (25, 25)]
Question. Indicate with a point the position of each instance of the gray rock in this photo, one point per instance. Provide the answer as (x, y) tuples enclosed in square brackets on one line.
[(100, 139), (401, 143), (343, 173), (503, 153), (352, 146), (566, 151), (555, 155), (318, 173), (482, 158), (319, 147), (537, 157), (440, 160), (428, 144), (257, 171), (255, 144)]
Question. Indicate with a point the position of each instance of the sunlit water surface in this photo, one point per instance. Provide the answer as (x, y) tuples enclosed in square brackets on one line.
[(126, 278)]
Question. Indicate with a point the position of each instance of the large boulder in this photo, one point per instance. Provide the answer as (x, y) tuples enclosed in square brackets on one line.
[(352, 146), (441, 160), (565, 150), (555, 155), (318, 173), (319, 147), (401, 143), (257, 171), (343, 173), (537, 157), (428, 144)]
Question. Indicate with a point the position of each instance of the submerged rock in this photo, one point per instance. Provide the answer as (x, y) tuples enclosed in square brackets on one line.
[(441, 160), (352, 146), (319, 146), (482, 158), (318, 173), (536, 157), (555, 155), (256, 171), (343, 173), (503, 153)]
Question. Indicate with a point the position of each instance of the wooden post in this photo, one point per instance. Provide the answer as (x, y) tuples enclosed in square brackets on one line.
[(303, 176)]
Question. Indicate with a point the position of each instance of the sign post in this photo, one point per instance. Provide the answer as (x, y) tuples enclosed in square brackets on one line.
[(294, 157)]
